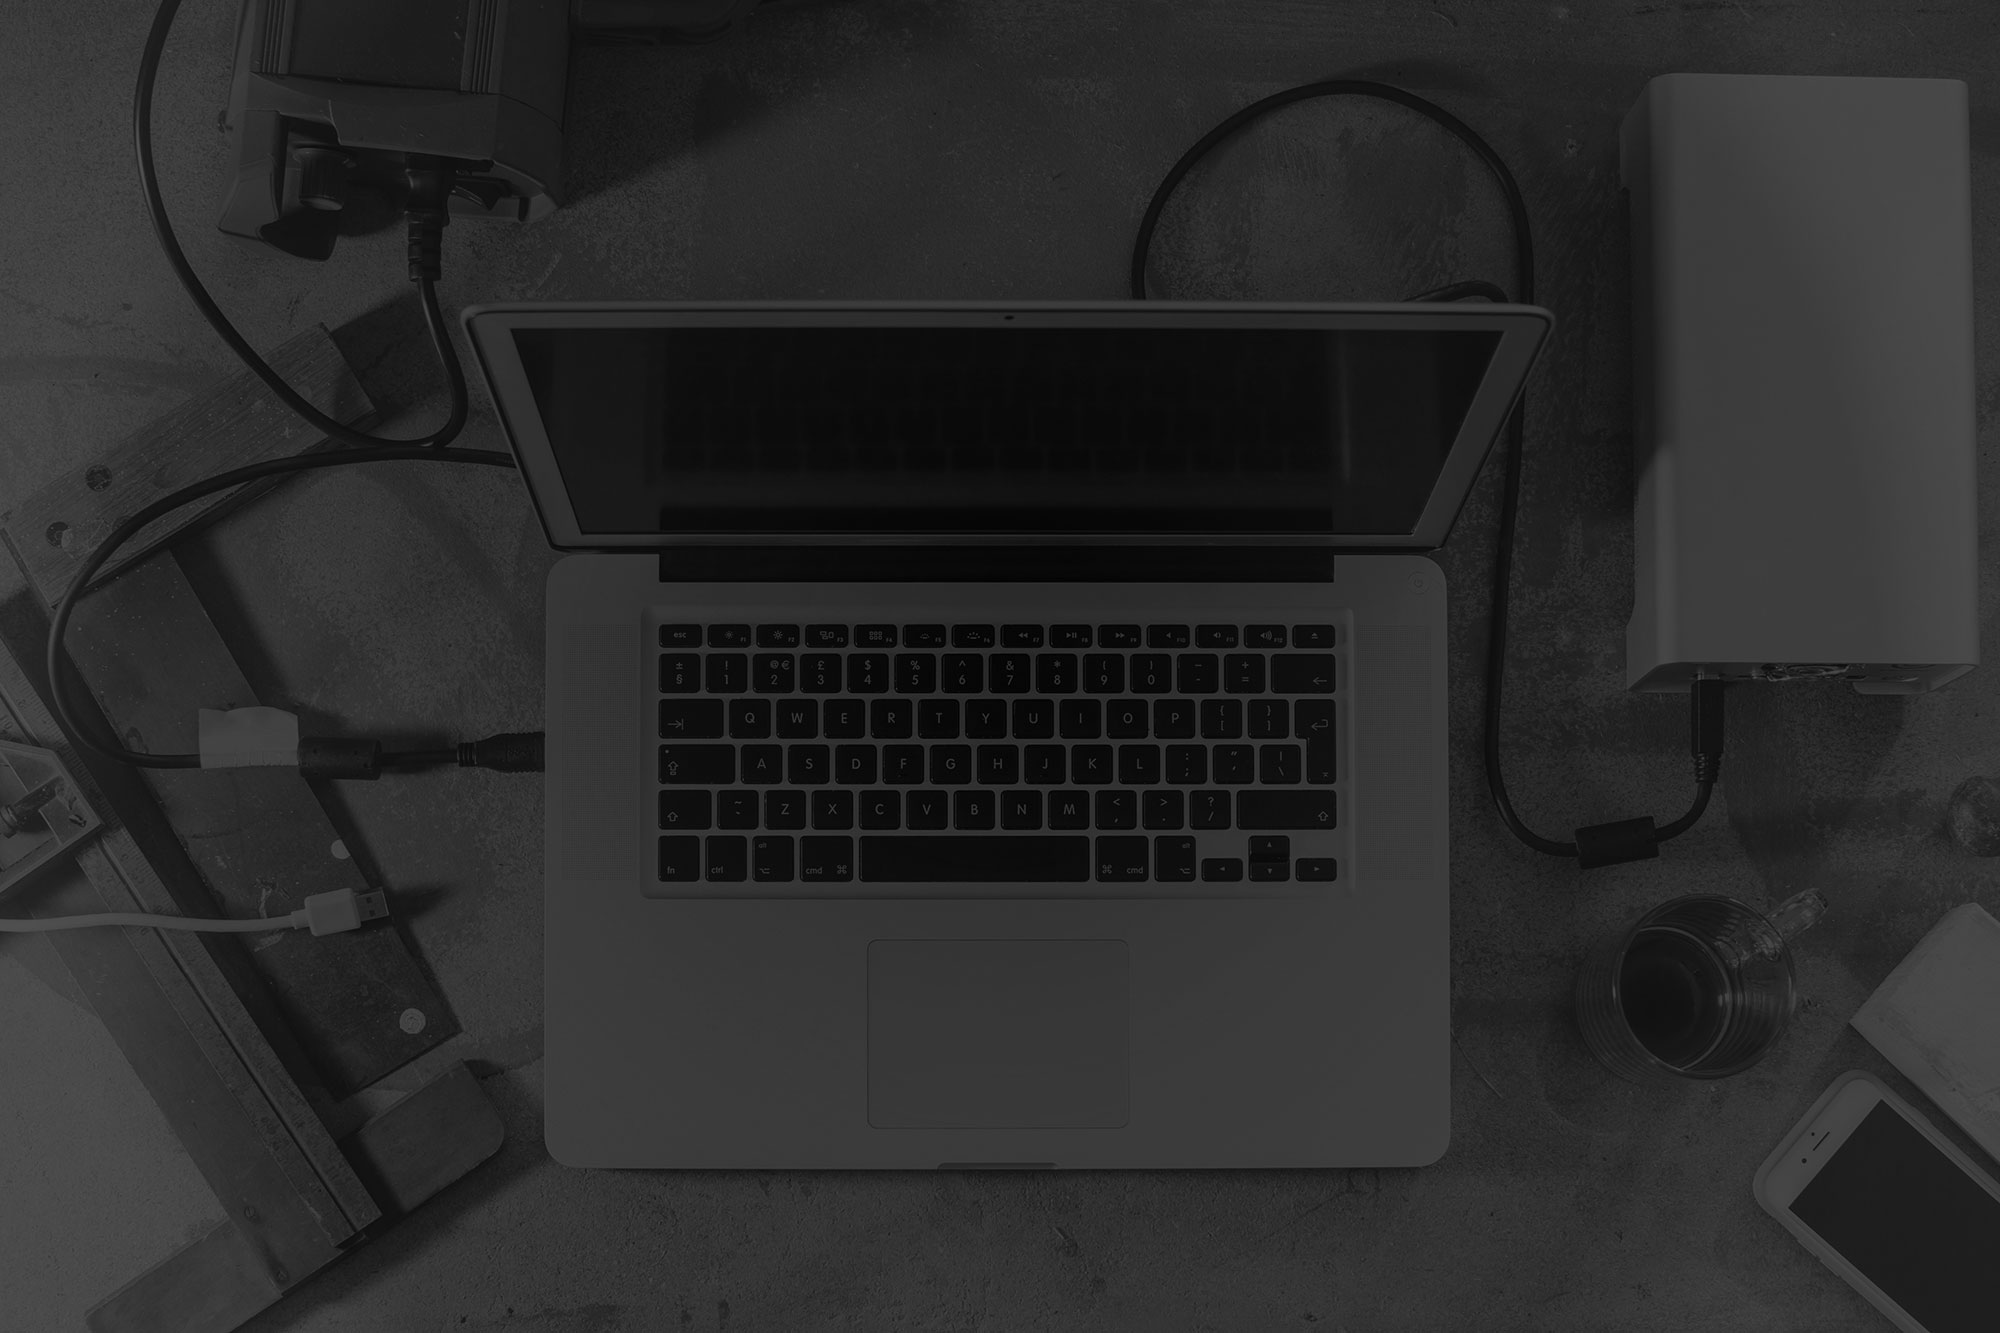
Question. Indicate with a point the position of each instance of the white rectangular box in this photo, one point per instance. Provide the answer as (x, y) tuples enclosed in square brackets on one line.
[(1805, 417)]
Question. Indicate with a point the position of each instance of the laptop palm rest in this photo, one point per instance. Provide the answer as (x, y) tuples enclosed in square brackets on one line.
[(998, 1034)]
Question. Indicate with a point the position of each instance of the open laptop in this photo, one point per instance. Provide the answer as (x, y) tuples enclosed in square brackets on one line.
[(998, 734)]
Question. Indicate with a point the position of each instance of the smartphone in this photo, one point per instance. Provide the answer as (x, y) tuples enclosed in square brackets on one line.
[(1885, 1201)]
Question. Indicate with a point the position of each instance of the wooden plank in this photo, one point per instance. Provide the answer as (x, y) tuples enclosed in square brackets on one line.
[(242, 422), (407, 1153)]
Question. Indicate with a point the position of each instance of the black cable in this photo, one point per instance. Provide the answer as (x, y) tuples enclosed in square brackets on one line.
[(1705, 704)]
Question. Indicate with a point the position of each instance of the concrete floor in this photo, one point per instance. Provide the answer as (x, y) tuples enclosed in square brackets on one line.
[(883, 148)]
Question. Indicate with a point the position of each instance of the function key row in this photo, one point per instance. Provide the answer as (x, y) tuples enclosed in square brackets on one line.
[(1002, 673), (989, 636)]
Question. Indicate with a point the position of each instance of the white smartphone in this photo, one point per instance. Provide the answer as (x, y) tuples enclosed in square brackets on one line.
[(1885, 1201)]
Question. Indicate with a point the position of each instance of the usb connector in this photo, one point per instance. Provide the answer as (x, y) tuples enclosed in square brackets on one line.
[(343, 909)]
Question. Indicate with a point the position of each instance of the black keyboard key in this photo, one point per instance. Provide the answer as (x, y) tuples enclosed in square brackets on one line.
[(1278, 764), (819, 673), (964, 673), (1152, 673), (1267, 872), (1117, 808), (784, 808), (998, 765), (929, 808), (1299, 807), (916, 673), (903, 764), (1080, 719), (826, 636), (1271, 847), (985, 719), (798, 719), (729, 636), (1197, 673), (1167, 636), (1317, 868), (1034, 719), (1090, 763), (1173, 860), (1008, 673), (1163, 808), (1125, 719), (881, 809), (846, 719), (997, 858), (1043, 764), (1055, 673), (972, 636), (690, 719), (951, 764), (1270, 717), (1138, 765), (1021, 809), (923, 636), (706, 765), (1103, 673), (771, 860), (736, 809), (1302, 673), (728, 858), (1221, 719), (874, 636), (1215, 636), (680, 673), (891, 719), (1221, 869), (1243, 673), (763, 763), (831, 808), (680, 859), (1235, 764), (853, 765), (749, 718), (1069, 809), (684, 809), (680, 636), (1320, 760), (777, 636), (1313, 718), (1173, 719), (1121, 860), (1263, 636), (1069, 636), (973, 808), (727, 673), (1021, 636), (1118, 636), (867, 673), (937, 719), (1312, 636), (1208, 809), (826, 860), (1187, 763)]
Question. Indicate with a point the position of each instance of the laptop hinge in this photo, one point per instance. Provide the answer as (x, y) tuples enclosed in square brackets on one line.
[(997, 564)]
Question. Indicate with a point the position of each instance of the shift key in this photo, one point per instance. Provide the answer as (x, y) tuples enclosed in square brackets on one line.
[(1296, 807), (707, 764)]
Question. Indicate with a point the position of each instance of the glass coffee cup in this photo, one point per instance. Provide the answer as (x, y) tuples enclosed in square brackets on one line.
[(1700, 988)]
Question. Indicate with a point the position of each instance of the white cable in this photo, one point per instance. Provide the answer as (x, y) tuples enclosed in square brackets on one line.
[(234, 926)]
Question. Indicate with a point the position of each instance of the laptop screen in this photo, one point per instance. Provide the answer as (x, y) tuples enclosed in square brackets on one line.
[(1002, 430)]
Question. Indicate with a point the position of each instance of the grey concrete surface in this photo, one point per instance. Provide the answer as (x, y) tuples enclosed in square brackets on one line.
[(885, 148)]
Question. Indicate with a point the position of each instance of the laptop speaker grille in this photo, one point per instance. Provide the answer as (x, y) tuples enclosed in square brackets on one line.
[(600, 753), (1393, 740)]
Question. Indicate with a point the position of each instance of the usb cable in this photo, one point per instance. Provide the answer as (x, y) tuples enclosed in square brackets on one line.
[(323, 914)]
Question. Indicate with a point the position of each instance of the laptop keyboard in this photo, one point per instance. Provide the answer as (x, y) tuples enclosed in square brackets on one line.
[(997, 754)]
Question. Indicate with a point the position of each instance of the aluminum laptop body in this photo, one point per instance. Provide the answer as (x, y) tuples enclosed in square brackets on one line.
[(1014, 492)]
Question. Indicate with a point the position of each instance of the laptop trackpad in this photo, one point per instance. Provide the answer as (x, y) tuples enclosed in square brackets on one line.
[(992, 1034)]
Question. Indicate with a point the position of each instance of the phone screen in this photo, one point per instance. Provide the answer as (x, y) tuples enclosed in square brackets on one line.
[(1914, 1223)]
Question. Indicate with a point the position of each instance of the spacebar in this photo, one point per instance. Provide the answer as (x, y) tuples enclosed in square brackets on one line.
[(975, 857)]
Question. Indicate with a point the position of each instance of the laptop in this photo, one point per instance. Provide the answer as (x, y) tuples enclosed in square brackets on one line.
[(998, 734)]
